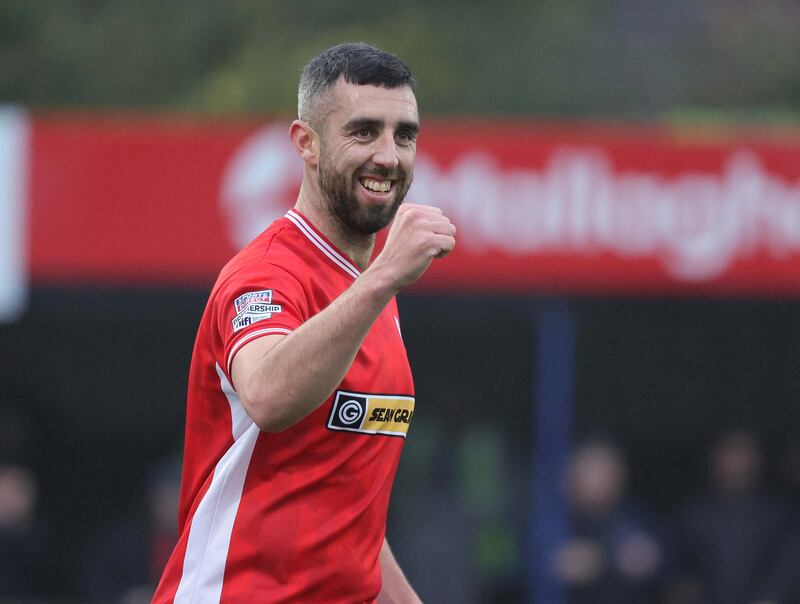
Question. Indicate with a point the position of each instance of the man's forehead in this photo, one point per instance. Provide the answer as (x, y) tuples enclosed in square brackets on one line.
[(374, 101)]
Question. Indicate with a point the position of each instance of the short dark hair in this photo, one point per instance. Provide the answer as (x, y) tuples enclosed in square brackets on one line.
[(359, 63)]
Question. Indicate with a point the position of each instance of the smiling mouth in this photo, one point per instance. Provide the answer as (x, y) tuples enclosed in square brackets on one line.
[(376, 186)]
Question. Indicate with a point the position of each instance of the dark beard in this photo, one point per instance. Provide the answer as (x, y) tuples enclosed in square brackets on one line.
[(346, 207)]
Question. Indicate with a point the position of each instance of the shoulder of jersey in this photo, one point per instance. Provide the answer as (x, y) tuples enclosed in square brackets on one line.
[(277, 239)]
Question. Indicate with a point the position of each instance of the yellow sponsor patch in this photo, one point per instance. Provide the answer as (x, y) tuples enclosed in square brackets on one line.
[(371, 413)]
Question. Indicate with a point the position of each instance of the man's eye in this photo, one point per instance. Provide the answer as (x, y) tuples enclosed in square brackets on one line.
[(364, 132), (404, 136)]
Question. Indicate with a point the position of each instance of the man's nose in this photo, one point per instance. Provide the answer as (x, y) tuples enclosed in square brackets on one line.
[(386, 151)]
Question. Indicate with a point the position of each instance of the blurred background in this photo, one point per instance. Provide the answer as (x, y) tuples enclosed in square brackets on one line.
[(606, 367)]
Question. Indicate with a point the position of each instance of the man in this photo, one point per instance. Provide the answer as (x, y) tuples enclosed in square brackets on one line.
[(300, 394)]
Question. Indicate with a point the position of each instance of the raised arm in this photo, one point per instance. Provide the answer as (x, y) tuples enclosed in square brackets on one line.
[(265, 371)]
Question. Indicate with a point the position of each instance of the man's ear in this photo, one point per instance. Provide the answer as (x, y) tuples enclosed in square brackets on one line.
[(305, 141)]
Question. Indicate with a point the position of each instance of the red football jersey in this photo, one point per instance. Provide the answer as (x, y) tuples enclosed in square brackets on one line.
[(299, 515)]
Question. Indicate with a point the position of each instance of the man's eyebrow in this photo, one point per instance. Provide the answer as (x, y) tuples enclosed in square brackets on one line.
[(363, 122), (412, 127), (370, 122)]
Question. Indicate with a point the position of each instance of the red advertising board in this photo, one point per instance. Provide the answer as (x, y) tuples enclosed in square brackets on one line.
[(540, 208)]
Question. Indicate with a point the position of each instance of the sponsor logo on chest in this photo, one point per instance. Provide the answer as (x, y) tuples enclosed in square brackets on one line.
[(371, 413)]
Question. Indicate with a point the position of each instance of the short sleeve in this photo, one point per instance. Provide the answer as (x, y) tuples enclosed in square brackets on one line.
[(256, 303)]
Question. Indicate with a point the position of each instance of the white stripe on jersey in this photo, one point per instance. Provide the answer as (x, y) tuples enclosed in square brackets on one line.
[(326, 249), (212, 523), (240, 421), (250, 336)]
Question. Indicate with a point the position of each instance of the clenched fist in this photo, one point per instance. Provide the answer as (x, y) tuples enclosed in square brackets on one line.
[(418, 235)]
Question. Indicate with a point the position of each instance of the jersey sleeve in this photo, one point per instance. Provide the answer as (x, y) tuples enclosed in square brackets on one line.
[(253, 304)]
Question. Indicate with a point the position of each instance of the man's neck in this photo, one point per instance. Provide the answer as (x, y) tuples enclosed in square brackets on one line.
[(356, 246)]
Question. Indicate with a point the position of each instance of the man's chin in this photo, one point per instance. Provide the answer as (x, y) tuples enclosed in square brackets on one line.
[(363, 213), (371, 220), (372, 225)]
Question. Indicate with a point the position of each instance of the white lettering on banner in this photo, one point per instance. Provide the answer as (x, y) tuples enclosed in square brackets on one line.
[(13, 180), (695, 223)]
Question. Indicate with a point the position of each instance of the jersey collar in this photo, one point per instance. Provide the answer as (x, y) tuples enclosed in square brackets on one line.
[(322, 243)]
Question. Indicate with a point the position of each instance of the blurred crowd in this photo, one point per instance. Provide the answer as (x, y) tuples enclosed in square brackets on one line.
[(118, 561), (735, 543), (121, 564)]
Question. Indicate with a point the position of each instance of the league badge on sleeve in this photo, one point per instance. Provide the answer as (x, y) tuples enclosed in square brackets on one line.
[(253, 307)]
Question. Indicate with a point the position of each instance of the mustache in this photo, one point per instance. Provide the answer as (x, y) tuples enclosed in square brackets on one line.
[(381, 171)]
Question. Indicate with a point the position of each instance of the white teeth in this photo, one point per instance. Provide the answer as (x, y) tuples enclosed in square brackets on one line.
[(377, 186)]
